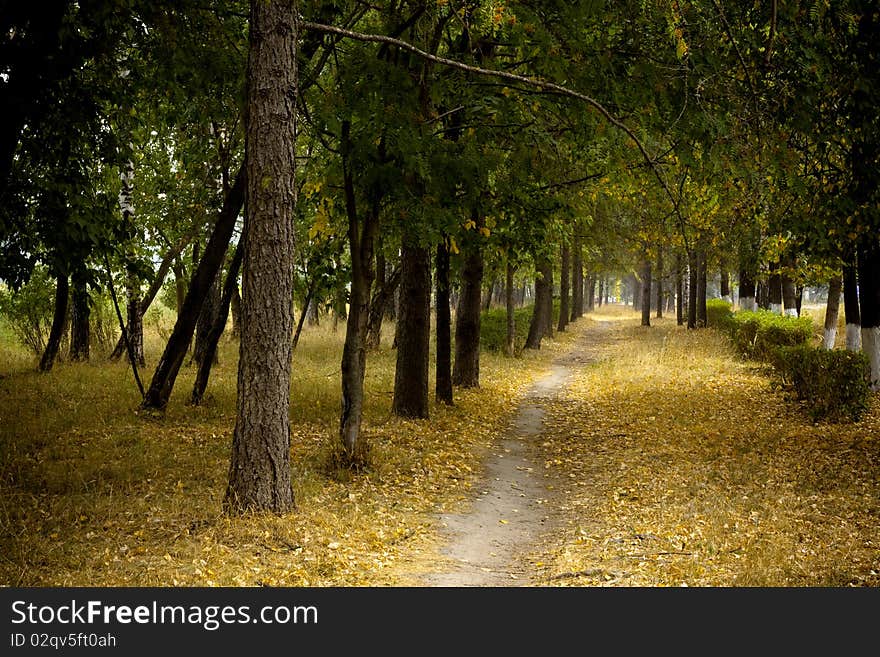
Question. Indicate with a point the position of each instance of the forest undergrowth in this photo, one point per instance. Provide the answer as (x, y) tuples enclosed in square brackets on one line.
[(670, 461)]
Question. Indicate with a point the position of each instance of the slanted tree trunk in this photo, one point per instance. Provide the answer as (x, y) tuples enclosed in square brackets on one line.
[(511, 309), (564, 289), (59, 317), (213, 337), (543, 281), (658, 277), (869, 303), (180, 285), (466, 370), (851, 305), (832, 308), (413, 333), (259, 471), (79, 323), (175, 351), (207, 318), (443, 374), (646, 291), (577, 279)]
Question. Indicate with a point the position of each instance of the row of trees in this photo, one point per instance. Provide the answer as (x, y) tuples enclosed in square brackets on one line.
[(344, 152)]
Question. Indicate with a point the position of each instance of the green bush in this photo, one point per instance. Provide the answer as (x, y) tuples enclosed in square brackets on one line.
[(718, 313), (833, 383), (757, 334), (28, 311), (493, 327)]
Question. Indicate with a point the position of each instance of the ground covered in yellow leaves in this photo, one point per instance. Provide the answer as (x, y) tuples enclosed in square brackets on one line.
[(679, 464), (667, 461)]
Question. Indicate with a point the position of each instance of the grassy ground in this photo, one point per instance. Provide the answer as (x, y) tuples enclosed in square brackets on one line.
[(95, 494), (679, 465)]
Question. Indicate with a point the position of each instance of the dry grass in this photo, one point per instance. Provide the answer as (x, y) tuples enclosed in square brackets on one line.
[(678, 465), (95, 494)]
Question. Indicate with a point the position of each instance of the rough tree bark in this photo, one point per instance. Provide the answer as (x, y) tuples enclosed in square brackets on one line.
[(851, 304), (413, 333), (259, 471), (443, 374), (466, 370), (543, 293)]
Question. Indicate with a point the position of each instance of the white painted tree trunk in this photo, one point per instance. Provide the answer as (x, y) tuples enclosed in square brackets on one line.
[(830, 338), (791, 312), (853, 337)]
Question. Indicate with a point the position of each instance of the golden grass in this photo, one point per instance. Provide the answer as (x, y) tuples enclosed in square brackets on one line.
[(93, 493), (677, 464)]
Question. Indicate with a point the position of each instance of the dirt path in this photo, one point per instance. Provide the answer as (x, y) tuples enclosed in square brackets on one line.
[(489, 544)]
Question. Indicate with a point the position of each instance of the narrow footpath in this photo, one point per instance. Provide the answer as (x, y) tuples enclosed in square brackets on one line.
[(489, 544)]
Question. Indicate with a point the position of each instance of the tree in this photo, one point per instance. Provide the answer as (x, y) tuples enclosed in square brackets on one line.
[(259, 471)]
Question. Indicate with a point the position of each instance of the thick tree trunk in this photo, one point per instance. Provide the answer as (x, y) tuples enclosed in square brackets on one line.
[(869, 304), (511, 309), (53, 344), (646, 291), (413, 333), (832, 310), (577, 279), (230, 286), (259, 471), (789, 296), (79, 324), (747, 296), (851, 305), (543, 281), (175, 351), (443, 374), (658, 277), (466, 371), (679, 290), (564, 289)]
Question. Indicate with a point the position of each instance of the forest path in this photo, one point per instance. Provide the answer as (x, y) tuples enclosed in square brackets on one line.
[(489, 544)]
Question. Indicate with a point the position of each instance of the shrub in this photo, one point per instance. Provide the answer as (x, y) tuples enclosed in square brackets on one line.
[(29, 311), (833, 383), (493, 327), (757, 334), (718, 313)]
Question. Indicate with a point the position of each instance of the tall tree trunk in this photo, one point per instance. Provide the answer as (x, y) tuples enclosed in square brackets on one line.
[(577, 278), (693, 271), (564, 289), (746, 290), (702, 272), (511, 310), (832, 310), (230, 286), (602, 291), (259, 471), (53, 344), (443, 374), (659, 278), (79, 325), (172, 358), (679, 290), (466, 370), (646, 291), (775, 291), (537, 330), (869, 303), (413, 333), (851, 304), (590, 296)]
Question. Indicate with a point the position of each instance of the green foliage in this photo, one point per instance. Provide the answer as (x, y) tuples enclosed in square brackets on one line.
[(493, 327), (28, 312), (757, 334), (719, 313), (833, 383)]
